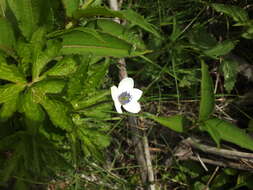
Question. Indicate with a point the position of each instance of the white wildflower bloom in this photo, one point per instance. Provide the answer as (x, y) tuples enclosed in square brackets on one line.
[(127, 96)]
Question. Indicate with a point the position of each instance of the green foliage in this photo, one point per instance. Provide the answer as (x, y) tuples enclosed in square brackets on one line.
[(70, 6), (229, 68), (238, 14), (207, 96), (176, 122), (7, 38), (222, 130)]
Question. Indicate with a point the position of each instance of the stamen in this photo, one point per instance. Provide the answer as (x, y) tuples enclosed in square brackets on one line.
[(124, 98)]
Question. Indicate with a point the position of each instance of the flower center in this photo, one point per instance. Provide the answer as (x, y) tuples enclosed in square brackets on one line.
[(124, 98)]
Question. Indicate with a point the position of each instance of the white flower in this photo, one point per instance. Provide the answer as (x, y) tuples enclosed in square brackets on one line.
[(127, 96)]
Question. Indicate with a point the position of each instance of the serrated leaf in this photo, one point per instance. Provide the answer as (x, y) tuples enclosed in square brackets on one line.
[(8, 108), (8, 91), (7, 38), (10, 72), (237, 13), (230, 69), (44, 57), (70, 6), (58, 113), (77, 81), (12, 163), (223, 130), (51, 86), (220, 49), (207, 96), (78, 42), (32, 110), (63, 67), (27, 13), (176, 122)]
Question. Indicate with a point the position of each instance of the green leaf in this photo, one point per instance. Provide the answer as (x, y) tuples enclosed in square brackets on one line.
[(96, 11), (12, 163), (58, 113), (63, 67), (70, 6), (220, 49), (128, 15), (223, 130), (44, 58), (77, 42), (95, 98), (9, 108), (120, 31), (8, 91), (32, 110), (138, 20), (27, 13), (230, 69), (7, 38), (237, 13), (176, 122), (76, 82), (10, 72), (202, 39), (51, 86), (248, 34), (207, 96)]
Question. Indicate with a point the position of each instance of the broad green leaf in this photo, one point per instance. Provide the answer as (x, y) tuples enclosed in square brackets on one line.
[(202, 39), (96, 11), (70, 6), (237, 13), (44, 58), (99, 111), (229, 69), (95, 98), (78, 42), (12, 163), (9, 108), (207, 96), (121, 31), (58, 113), (24, 52), (27, 13), (248, 34), (10, 72), (32, 110), (51, 86), (76, 82), (176, 122), (8, 91), (223, 130), (220, 49), (128, 15), (7, 38), (63, 67), (138, 20)]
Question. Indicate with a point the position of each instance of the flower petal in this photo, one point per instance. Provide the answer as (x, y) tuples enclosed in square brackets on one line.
[(136, 94), (133, 107), (126, 84), (118, 106), (114, 93)]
